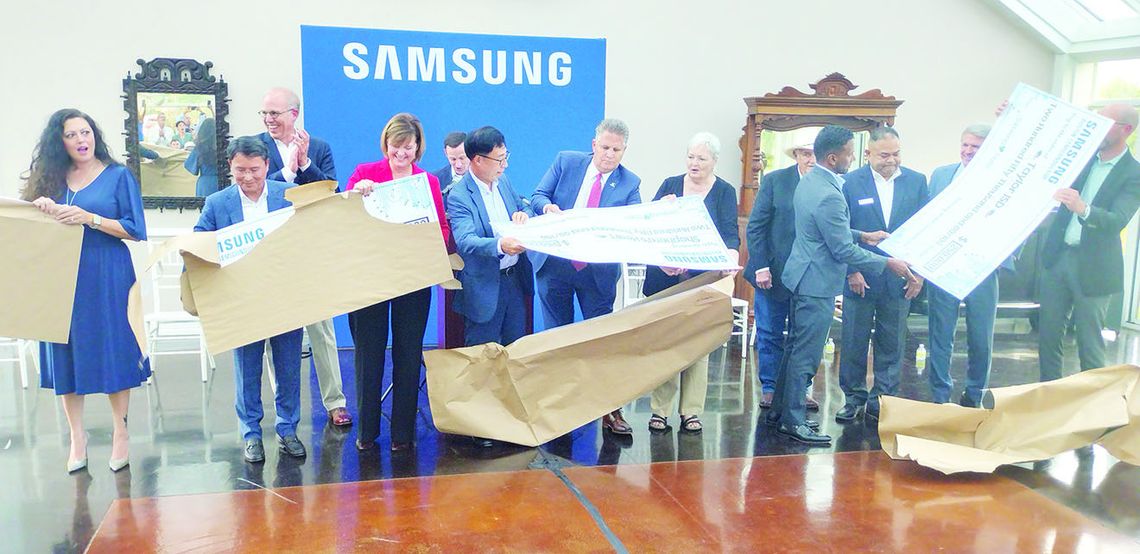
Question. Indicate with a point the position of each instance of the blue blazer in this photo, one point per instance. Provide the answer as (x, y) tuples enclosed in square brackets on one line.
[(476, 243), (560, 186), (940, 179), (772, 229), (223, 208), (825, 243), (867, 215), (321, 168)]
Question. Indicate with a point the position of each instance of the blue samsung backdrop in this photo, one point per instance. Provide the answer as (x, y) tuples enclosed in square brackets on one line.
[(545, 94)]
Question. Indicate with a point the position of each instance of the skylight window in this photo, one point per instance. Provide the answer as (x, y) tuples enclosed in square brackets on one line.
[(1107, 10)]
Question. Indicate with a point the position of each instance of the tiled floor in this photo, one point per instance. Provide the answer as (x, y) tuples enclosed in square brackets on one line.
[(185, 440)]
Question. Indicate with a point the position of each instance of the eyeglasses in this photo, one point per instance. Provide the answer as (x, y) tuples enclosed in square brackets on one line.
[(501, 161), (273, 114)]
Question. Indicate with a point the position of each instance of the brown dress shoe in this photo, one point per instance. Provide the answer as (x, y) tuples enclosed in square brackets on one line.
[(616, 423), (766, 400), (340, 417)]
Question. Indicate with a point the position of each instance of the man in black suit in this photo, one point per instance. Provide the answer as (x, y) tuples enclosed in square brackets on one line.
[(771, 230), (1084, 262), (881, 196), (457, 162), (815, 272)]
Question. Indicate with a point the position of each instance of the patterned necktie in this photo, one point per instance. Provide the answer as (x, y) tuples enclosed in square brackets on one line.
[(591, 202)]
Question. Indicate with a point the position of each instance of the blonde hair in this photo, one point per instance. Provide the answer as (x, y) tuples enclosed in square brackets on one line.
[(400, 129)]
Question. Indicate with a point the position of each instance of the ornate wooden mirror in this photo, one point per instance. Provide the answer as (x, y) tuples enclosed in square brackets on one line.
[(176, 131), (830, 103)]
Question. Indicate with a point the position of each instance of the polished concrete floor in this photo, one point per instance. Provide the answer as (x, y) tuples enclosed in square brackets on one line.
[(185, 440)]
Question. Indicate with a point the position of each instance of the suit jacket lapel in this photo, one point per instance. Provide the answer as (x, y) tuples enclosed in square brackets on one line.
[(275, 163), (1111, 181), (578, 176), (233, 203), (482, 213), (900, 198), (873, 191)]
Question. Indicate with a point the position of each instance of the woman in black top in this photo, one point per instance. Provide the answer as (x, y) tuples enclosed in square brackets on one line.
[(720, 199)]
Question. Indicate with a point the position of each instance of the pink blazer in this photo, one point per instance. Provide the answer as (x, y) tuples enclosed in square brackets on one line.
[(380, 172)]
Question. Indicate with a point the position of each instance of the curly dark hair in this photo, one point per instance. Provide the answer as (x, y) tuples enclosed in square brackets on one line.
[(47, 174)]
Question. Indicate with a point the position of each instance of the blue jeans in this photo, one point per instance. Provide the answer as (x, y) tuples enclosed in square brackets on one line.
[(771, 322)]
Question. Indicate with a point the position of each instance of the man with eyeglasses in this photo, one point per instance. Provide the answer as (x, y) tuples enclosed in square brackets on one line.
[(584, 180), (297, 158), (1083, 257), (496, 275)]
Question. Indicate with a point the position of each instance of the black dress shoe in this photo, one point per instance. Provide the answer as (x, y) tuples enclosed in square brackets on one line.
[(291, 445), (775, 422), (481, 442), (398, 446), (967, 403), (806, 435), (365, 445), (847, 413), (254, 451)]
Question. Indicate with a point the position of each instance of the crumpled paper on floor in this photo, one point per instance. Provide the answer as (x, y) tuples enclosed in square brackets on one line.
[(328, 259), (545, 385), (1027, 423)]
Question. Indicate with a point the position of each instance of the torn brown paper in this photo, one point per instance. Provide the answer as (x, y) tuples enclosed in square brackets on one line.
[(1027, 423), (545, 385), (328, 259), (38, 273)]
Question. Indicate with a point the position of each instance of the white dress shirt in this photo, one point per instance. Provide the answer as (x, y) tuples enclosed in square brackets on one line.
[(256, 208), (588, 184), (496, 211), (886, 189), (288, 152)]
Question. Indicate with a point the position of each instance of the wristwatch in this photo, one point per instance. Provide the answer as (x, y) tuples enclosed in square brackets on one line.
[(96, 221)]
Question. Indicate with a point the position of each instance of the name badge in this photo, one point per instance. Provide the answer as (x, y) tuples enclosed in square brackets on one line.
[(866, 201)]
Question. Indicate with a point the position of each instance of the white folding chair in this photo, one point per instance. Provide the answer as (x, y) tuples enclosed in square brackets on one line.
[(24, 350), (632, 277), (171, 324), (740, 324)]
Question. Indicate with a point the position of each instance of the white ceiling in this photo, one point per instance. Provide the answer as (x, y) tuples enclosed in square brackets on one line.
[(1081, 26)]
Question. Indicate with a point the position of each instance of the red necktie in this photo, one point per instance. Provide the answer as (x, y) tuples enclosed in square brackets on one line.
[(591, 202)]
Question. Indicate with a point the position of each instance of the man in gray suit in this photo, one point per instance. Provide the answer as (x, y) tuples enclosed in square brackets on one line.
[(816, 272)]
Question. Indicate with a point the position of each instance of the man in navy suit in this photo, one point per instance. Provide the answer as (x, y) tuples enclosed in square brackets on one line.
[(457, 162), (496, 275), (943, 307), (578, 180), (1083, 257), (253, 197), (880, 196), (815, 271), (771, 230), (297, 158)]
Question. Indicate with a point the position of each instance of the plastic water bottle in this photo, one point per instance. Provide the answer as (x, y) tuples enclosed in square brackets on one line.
[(920, 358), (829, 348)]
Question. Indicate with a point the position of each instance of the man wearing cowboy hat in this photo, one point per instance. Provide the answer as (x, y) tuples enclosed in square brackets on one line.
[(771, 231)]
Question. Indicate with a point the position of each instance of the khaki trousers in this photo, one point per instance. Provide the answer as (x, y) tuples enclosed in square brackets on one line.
[(693, 382), (323, 341)]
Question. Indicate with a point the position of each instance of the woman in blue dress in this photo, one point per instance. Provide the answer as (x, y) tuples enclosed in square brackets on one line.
[(74, 179), (203, 159)]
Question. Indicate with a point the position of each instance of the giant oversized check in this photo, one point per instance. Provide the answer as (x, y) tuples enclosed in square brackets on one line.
[(1038, 145), (669, 233)]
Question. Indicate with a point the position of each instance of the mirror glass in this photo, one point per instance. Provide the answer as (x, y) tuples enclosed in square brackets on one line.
[(177, 147)]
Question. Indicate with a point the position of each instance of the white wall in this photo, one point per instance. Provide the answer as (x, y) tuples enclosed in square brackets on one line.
[(674, 68)]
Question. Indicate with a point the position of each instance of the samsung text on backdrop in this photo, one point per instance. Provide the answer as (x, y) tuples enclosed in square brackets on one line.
[(431, 64)]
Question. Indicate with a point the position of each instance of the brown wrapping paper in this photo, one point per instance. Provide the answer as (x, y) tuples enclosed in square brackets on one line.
[(1027, 423), (38, 276), (38, 273), (328, 259), (548, 384)]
